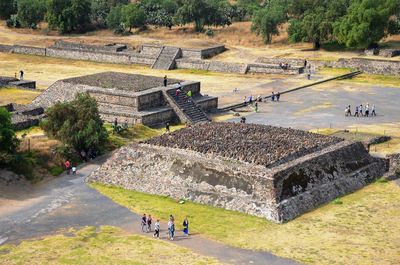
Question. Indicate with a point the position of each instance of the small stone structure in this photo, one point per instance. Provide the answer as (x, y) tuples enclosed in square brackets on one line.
[(137, 99), (266, 171), (14, 82), (24, 116)]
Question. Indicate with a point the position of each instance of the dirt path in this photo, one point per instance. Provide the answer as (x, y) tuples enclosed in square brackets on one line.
[(66, 202)]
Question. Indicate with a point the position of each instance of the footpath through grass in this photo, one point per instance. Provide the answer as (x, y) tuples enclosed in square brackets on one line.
[(361, 228), (107, 245)]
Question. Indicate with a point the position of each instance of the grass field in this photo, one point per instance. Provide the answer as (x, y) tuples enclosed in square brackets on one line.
[(359, 228), (15, 95), (106, 245), (384, 80), (361, 132)]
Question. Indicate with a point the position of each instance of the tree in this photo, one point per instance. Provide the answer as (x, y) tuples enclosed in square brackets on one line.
[(312, 20), (76, 124), (159, 12), (267, 20), (101, 8), (7, 8), (367, 22), (202, 13), (133, 16), (30, 12), (114, 20), (8, 140), (68, 15), (250, 6)]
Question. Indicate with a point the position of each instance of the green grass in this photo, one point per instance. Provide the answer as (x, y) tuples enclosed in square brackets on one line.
[(15, 95), (384, 80), (107, 245), (358, 230), (134, 133)]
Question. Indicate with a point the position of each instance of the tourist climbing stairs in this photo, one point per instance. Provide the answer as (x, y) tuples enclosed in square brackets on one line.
[(166, 58), (187, 106)]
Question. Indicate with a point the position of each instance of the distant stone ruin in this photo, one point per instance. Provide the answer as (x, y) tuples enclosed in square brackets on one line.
[(266, 171), (6, 81), (136, 99), (24, 116)]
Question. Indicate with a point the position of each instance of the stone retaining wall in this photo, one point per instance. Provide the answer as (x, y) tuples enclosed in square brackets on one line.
[(5, 48), (370, 66), (87, 47), (260, 68), (29, 50)]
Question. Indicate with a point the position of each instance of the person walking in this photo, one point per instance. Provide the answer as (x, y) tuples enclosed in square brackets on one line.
[(67, 165), (273, 96), (186, 227), (21, 75), (373, 113), (74, 170), (165, 81), (171, 229), (157, 229), (367, 110), (256, 106), (149, 220), (360, 109), (356, 112), (167, 127), (278, 96), (144, 223)]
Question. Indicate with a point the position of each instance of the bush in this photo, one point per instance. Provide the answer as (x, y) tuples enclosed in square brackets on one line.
[(13, 22), (56, 171), (210, 32), (31, 12)]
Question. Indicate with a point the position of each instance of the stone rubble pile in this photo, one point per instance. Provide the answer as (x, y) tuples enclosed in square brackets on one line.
[(258, 144)]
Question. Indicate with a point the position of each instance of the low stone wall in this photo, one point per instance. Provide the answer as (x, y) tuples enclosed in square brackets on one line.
[(216, 66), (370, 66), (192, 64), (203, 53), (6, 48), (29, 50), (108, 57), (88, 47), (207, 103), (260, 68)]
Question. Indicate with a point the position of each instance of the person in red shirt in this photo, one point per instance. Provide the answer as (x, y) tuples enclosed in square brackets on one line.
[(67, 166)]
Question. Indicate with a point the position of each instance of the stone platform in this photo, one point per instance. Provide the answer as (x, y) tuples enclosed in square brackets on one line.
[(266, 171), (14, 82), (137, 99)]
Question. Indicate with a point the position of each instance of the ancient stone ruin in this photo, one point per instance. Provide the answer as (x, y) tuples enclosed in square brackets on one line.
[(136, 99), (271, 172)]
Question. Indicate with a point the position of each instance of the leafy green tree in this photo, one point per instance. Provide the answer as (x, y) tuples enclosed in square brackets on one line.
[(68, 15), (159, 12), (366, 22), (202, 13), (114, 19), (133, 16), (101, 8), (8, 140), (7, 8), (267, 20), (30, 12), (312, 20), (250, 6), (76, 124)]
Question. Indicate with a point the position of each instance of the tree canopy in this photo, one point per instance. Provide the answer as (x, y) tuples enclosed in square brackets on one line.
[(31, 12), (76, 124), (68, 15), (366, 22), (8, 140)]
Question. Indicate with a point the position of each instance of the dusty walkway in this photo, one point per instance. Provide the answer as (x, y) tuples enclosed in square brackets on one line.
[(67, 201)]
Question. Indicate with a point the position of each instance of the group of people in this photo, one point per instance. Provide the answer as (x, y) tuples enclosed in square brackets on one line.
[(284, 66), (21, 75), (361, 111), (146, 223), (276, 96), (69, 167)]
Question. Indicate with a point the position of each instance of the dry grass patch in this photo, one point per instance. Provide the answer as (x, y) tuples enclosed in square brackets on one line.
[(356, 229), (15, 95), (106, 245)]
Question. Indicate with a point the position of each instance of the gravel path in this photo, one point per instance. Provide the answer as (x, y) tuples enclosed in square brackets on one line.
[(67, 202)]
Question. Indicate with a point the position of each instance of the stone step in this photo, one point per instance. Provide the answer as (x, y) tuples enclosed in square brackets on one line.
[(166, 59)]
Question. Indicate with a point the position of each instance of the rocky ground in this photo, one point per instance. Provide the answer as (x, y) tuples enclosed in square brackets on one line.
[(253, 143)]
